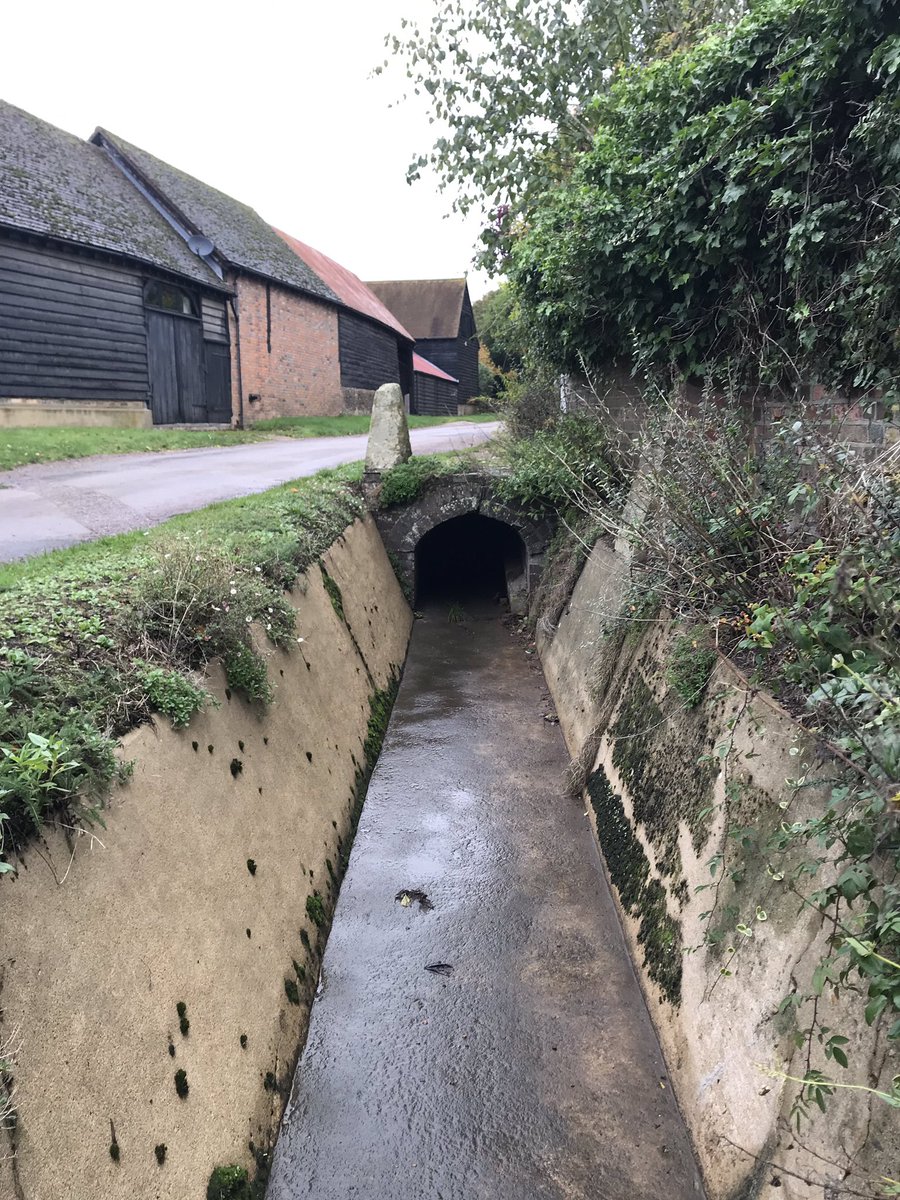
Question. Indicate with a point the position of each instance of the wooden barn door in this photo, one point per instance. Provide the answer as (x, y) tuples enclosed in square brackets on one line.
[(218, 381), (175, 356)]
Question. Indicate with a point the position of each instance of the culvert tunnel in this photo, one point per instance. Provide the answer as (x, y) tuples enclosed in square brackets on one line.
[(471, 559)]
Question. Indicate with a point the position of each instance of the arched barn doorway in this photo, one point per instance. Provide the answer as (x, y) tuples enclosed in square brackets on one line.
[(471, 559)]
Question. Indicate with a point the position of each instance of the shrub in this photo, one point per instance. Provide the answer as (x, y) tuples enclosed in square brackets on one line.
[(530, 403), (334, 593), (246, 672), (735, 216), (403, 483), (571, 462), (689, 667), (315, 909), (228, 1183), (482, 404), (173, 694)]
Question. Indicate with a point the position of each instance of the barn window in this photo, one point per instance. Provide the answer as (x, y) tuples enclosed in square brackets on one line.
[(170, 297)]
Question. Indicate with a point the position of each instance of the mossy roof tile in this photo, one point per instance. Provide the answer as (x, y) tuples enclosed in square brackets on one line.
[(238, 232), (428, 308), (54, 184)]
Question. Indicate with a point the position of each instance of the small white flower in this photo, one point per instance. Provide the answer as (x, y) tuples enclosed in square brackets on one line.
[(234, 591), (300, 640), (271, 610), (258, 570), (248, 619), (268, 624)]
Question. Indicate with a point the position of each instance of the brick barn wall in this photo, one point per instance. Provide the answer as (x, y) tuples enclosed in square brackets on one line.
[(289, 354)]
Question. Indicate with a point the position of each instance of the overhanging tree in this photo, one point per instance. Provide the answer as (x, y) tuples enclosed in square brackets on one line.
[(736, 218), (510, 83)]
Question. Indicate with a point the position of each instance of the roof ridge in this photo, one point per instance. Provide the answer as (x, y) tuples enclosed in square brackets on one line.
[(242, 237), (57, 185)]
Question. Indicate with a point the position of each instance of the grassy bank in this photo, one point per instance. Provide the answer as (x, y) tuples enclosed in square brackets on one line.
[(22, 447), (94, 638)]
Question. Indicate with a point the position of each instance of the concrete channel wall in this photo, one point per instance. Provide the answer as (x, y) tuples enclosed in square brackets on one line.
[(195, 893), (664, 786)]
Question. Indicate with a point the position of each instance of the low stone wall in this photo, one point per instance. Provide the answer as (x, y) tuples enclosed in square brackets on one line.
[(665, 784), (358, 400), (29, 413), (195, 893), (866, 424)]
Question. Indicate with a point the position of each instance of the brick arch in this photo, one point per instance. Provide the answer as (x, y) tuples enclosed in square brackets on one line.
[(403, 528)]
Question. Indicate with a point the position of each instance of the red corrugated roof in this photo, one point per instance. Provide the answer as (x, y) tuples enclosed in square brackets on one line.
[(423, 367), (349, 288)]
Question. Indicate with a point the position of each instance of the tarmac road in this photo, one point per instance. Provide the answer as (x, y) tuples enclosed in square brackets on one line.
[(526, 1066), (51, 505)]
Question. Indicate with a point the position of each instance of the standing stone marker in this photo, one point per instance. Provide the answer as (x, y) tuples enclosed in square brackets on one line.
[(389, 431)]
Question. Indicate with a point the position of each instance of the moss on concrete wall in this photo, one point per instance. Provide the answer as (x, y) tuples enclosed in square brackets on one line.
[(677, 788), (657, 753), (640, 894)]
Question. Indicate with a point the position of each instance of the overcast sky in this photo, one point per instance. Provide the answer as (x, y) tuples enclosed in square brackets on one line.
[(269, 102)]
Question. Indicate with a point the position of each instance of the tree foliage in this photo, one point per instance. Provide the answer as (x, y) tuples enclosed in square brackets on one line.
[(509, 83), (737, 214), (499, 329)]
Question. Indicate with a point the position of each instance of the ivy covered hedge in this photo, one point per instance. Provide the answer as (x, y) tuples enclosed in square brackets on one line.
[(737, 216)]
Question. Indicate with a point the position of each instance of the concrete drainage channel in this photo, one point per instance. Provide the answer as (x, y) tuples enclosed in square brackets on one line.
[(481, 1032), (474, 1026)]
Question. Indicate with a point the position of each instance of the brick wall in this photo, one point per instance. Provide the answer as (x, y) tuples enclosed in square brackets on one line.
[(289, 354), (866, 424)]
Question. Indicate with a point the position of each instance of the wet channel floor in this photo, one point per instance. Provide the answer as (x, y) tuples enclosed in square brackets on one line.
[(528, 1068)]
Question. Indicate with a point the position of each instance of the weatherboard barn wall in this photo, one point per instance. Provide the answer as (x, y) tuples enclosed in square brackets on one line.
[(195, 893), (72, 326), (665, 784), (435, 396)]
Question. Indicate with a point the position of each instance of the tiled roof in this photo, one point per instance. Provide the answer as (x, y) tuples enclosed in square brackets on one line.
[(348, 287), (238, 232), (53, 183), (422, 366), (428, 308)]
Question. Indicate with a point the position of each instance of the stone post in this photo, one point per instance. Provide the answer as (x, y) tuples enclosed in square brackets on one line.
[(388, 438)]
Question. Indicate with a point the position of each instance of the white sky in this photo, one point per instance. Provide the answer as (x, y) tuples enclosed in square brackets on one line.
[(269, 102)]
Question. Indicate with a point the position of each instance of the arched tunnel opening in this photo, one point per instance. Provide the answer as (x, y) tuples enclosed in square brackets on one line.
[(471, 559)]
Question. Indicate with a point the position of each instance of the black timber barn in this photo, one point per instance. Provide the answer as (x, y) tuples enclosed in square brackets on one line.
[(102, 304), (438, 313), (436, 393), (374, 346)]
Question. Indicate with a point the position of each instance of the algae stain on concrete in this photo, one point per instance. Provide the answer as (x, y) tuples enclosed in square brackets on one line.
[(642, 896), (658, 756)]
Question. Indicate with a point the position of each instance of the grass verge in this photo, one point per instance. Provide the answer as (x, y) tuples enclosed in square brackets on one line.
[(94, 638), (24, 447)]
